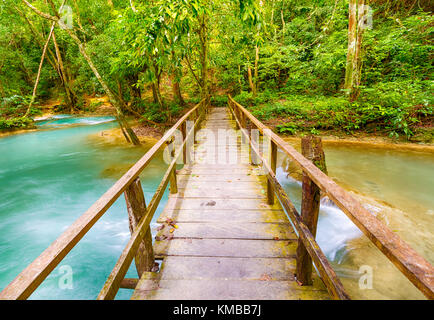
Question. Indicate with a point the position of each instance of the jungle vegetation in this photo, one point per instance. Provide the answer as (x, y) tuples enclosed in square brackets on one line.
[(301, 66)]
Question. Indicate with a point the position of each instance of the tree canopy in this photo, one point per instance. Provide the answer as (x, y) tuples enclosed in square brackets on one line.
[(282, 58)]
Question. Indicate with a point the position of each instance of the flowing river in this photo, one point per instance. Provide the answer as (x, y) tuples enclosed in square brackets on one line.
[(51, 176), (48, 178)]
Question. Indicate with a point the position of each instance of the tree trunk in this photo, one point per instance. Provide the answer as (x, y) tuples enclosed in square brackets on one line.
[(351, 44), (55, 60), (39, 70), (251, 84), (203, 37), (175, 75), (176, 90), (154, 92), (70, 95), (116, 103), (156, 87), (355, 38), (357, 62), (135, 91), (120, 91), (239, 77), (40, 39), (256, 69)]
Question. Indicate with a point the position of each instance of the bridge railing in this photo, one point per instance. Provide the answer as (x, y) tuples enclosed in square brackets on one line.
[(139, 215), (419, 271)]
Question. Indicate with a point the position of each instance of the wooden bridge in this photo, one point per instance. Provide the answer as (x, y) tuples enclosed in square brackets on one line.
[(229, 230)]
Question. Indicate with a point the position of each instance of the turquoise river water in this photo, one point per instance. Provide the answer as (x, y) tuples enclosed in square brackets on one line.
[(51, 176), (48, 178)]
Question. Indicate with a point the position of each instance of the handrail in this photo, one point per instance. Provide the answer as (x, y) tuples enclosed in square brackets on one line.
[(118, 273), (35, 273), (328, 275), (418, 270)]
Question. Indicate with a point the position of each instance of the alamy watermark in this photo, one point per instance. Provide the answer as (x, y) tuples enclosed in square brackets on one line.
[(366, 21), (366, 278), (66, 17), (66, 280)]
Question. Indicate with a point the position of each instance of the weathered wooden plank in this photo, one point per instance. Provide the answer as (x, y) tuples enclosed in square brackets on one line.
[(226, 289), (219, 171), (221, 185), (233, 178), (231, 230), (217, 166), (218, 204), (226, 248), (184, 268), (205, 215), (220, 194)]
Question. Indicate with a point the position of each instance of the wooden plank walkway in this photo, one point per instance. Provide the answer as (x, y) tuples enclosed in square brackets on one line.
[(229, 243)]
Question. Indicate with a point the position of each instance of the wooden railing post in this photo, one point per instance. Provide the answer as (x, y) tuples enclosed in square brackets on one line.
[(311, 147), (197, 115), (272, 158), (144, 258), (173, 182), (243, 120), (184, 136), (254, 136), (236, 115)]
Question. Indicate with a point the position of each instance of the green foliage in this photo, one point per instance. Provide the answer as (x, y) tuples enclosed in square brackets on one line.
[(302, 50), (219, 101), (288, 128), (15, 123), (154, 113), (16, 105), (310, 114), (93, 106)]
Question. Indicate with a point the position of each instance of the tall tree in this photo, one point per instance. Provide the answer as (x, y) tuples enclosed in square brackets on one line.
[(40, 69), (130, 135), (356, 25)]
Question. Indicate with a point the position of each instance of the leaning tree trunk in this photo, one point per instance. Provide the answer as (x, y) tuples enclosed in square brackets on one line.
[(35, 88), (256, 69), (117, 104), (51, 58), (56, 19)]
